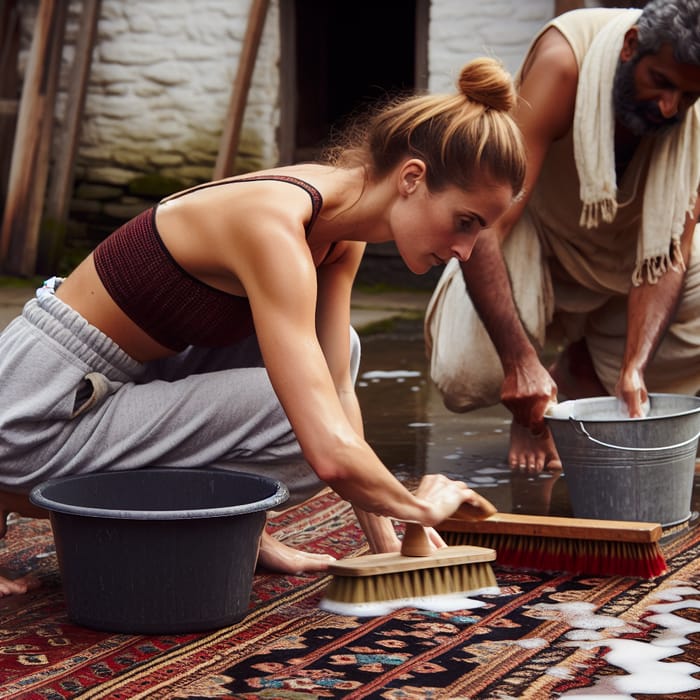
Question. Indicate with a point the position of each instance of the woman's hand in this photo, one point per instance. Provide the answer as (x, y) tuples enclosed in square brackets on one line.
[(445, 497)]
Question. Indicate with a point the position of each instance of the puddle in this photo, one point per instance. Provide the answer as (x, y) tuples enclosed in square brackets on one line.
[(413, 433)]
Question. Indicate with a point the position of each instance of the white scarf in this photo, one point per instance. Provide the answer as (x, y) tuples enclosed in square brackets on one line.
[(674, 171)]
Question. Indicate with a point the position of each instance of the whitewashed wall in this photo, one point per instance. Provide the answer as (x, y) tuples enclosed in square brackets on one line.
[(161, 81), (464, 29), (163, 71)]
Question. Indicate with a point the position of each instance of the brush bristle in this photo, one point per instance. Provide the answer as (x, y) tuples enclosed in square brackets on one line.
[(456, 579), (577, 556)]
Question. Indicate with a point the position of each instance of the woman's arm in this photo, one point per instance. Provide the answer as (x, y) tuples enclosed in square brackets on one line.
[(335, 280), (279, 276)]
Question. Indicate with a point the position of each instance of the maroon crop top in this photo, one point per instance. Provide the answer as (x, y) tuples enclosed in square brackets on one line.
[(155, 292)]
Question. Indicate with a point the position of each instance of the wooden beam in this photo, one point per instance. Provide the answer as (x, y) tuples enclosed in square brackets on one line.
[(30, 250), (234, 119), (9, 90), (61, 185), (9, 47), (27, 140)]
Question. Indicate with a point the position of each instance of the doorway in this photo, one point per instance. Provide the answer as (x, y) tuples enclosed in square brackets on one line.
[(339, 56)]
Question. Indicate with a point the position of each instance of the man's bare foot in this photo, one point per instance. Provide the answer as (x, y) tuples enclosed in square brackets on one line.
[(532, 453), (280, 558), (574, 373), (575, 378)]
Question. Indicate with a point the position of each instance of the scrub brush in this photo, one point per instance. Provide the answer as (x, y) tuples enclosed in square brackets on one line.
[(439, 580), (574, 545)]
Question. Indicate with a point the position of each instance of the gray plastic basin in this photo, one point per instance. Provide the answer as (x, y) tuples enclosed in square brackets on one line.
[(158, 550)]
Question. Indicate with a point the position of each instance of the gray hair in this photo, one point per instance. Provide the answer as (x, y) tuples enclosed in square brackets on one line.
[(675, 22)]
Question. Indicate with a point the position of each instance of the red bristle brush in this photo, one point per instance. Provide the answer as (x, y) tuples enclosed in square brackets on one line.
[(574, 545)]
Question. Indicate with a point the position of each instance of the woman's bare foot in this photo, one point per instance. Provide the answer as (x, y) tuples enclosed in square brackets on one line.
[(17, 586), (280, 558), (532, 453), (17, 503)]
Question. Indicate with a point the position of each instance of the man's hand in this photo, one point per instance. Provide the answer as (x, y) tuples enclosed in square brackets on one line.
[(632, 389), (527, 390)]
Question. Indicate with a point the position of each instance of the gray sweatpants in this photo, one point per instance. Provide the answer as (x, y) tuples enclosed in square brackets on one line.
[(72, 402)]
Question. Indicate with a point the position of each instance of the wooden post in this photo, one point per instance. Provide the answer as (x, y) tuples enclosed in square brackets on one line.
[(15, 236), (234, 119), (9, 87), (28, 256), (61, 184)]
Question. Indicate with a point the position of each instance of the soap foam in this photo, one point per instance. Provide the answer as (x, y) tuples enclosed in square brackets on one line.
[(437, 603)]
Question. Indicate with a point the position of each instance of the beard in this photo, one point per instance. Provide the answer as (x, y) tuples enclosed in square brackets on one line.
[(640, 118)]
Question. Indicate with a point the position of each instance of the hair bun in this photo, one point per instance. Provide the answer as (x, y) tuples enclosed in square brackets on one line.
[(485, 80)]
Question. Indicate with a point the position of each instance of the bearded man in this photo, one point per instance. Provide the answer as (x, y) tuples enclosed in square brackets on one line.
[(600, 250)]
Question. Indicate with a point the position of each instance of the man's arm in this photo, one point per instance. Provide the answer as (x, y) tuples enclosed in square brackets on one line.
[(650, 311), (527, 386), (545, 111)]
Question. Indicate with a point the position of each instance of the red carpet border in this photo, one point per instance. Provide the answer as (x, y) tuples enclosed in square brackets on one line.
[(520, 644)]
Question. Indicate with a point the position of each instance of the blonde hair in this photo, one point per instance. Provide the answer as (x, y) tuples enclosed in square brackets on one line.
[(460, 137)]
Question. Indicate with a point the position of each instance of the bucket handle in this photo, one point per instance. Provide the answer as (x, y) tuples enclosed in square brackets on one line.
[(579, 427)]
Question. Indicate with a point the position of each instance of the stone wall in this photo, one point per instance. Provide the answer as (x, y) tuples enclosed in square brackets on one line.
[(161, 80), (160, 83)]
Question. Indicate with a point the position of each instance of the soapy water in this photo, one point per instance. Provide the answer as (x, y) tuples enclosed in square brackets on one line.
[(603, 408), (413, 433), (648, 665), (438, 603)]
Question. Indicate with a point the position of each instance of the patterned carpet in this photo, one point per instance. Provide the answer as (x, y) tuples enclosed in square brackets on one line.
[(544, 636)]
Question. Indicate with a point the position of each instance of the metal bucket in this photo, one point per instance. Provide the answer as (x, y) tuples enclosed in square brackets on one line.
[(622, 468)]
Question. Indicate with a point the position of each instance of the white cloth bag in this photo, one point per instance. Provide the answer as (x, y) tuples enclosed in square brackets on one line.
[(464, 364)]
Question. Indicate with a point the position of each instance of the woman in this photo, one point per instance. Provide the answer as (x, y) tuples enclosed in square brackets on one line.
[(214, 329)]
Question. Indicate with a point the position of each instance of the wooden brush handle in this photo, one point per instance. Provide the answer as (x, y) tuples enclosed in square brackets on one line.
[(415, 541), (549, 526)]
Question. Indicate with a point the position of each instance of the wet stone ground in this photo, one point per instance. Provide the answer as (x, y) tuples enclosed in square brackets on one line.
[(413, 433)]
